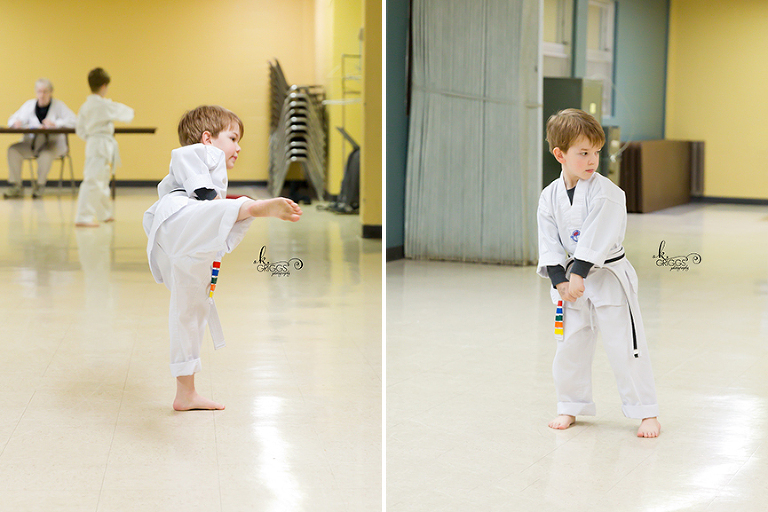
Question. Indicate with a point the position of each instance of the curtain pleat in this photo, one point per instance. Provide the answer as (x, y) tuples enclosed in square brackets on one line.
[(473, 168)]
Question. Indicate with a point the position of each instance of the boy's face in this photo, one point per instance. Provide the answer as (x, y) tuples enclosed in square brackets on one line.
[(580, 161), (227, 141)]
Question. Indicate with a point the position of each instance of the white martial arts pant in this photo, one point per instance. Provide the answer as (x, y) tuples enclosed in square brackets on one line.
[(94, 203), (46, 153), (186, 245), (572, 368), (93, 200)]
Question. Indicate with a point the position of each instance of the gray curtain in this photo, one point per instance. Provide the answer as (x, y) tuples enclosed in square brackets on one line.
[(474, 154)]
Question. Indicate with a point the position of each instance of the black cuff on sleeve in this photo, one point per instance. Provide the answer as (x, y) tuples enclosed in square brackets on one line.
[(556, 274), (581, 268), (205, 194)]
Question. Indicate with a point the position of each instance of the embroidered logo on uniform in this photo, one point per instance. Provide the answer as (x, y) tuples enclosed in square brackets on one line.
[(575, 235)]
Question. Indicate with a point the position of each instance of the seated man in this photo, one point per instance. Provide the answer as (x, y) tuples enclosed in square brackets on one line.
[(43, 112)]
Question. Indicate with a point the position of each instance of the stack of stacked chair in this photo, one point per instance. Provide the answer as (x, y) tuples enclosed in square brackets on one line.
[(298, 132)]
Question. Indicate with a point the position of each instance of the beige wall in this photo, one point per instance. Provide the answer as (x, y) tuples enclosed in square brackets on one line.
[(717, 71), (164, 57)]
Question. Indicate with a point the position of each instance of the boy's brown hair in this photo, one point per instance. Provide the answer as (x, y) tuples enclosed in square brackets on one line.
[(207, 118), (565, 127), (96, 78)]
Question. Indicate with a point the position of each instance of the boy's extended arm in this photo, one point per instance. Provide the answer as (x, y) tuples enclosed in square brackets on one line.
[(120, 112)]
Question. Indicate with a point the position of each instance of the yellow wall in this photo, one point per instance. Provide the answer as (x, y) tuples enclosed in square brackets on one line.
[(717, 71), (370, 161), (343, 19), (164, 57)]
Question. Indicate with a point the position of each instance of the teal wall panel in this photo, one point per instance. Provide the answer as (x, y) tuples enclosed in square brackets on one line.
[(640, 64), (396, 121)]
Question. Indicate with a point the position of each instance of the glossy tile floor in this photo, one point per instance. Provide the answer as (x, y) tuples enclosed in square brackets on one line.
[(470, 392), (86, 392)]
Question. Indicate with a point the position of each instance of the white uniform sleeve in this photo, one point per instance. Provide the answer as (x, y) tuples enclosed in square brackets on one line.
[(120, 112), (602, 231), (61, 115), (551, 250), (192, 165), (23, 114), (80, 124)]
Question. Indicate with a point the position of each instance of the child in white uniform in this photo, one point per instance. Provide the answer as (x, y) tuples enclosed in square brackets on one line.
[(187, 232), (582, 219), (94, 125)]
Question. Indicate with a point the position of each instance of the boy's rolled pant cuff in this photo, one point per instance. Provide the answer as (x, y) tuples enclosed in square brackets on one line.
[(186, 368), (577, 408), (640, 412)]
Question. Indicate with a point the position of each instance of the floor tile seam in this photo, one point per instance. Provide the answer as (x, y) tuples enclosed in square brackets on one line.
[(58, 347), (738, 470), (17, 424), (117, 420), (589, 425), (378, 373), (627, 474), (218, 464), (412, 417), (106, 464), (436, 367)]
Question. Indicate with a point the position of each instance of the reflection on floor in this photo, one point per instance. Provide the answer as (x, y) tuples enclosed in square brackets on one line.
[(470, 392), (86, 392)]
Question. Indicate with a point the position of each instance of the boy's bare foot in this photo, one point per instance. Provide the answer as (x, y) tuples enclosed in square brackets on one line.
[(187, 398), (86, 224), (650, 427), (562, 422), (195, 402), (279, 207)]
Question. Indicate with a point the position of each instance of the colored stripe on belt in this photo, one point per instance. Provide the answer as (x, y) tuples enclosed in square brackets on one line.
[(214, 277), (559, 321)]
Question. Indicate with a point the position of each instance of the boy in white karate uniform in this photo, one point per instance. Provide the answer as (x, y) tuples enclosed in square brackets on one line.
[(188, 231), (94, 125), (582, 218)]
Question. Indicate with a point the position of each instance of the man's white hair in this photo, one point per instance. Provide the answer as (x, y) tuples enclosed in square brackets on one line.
[(45, 83)]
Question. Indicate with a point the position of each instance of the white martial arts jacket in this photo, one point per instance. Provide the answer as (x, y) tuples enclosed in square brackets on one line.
[(95, 126), (591, 229), (192, 167), (58, 113)]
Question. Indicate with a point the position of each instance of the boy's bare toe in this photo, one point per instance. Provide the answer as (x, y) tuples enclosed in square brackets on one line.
[(562, 422), (650, 427)]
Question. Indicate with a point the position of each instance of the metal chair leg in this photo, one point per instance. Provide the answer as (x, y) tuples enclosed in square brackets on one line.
[(71, 175)]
